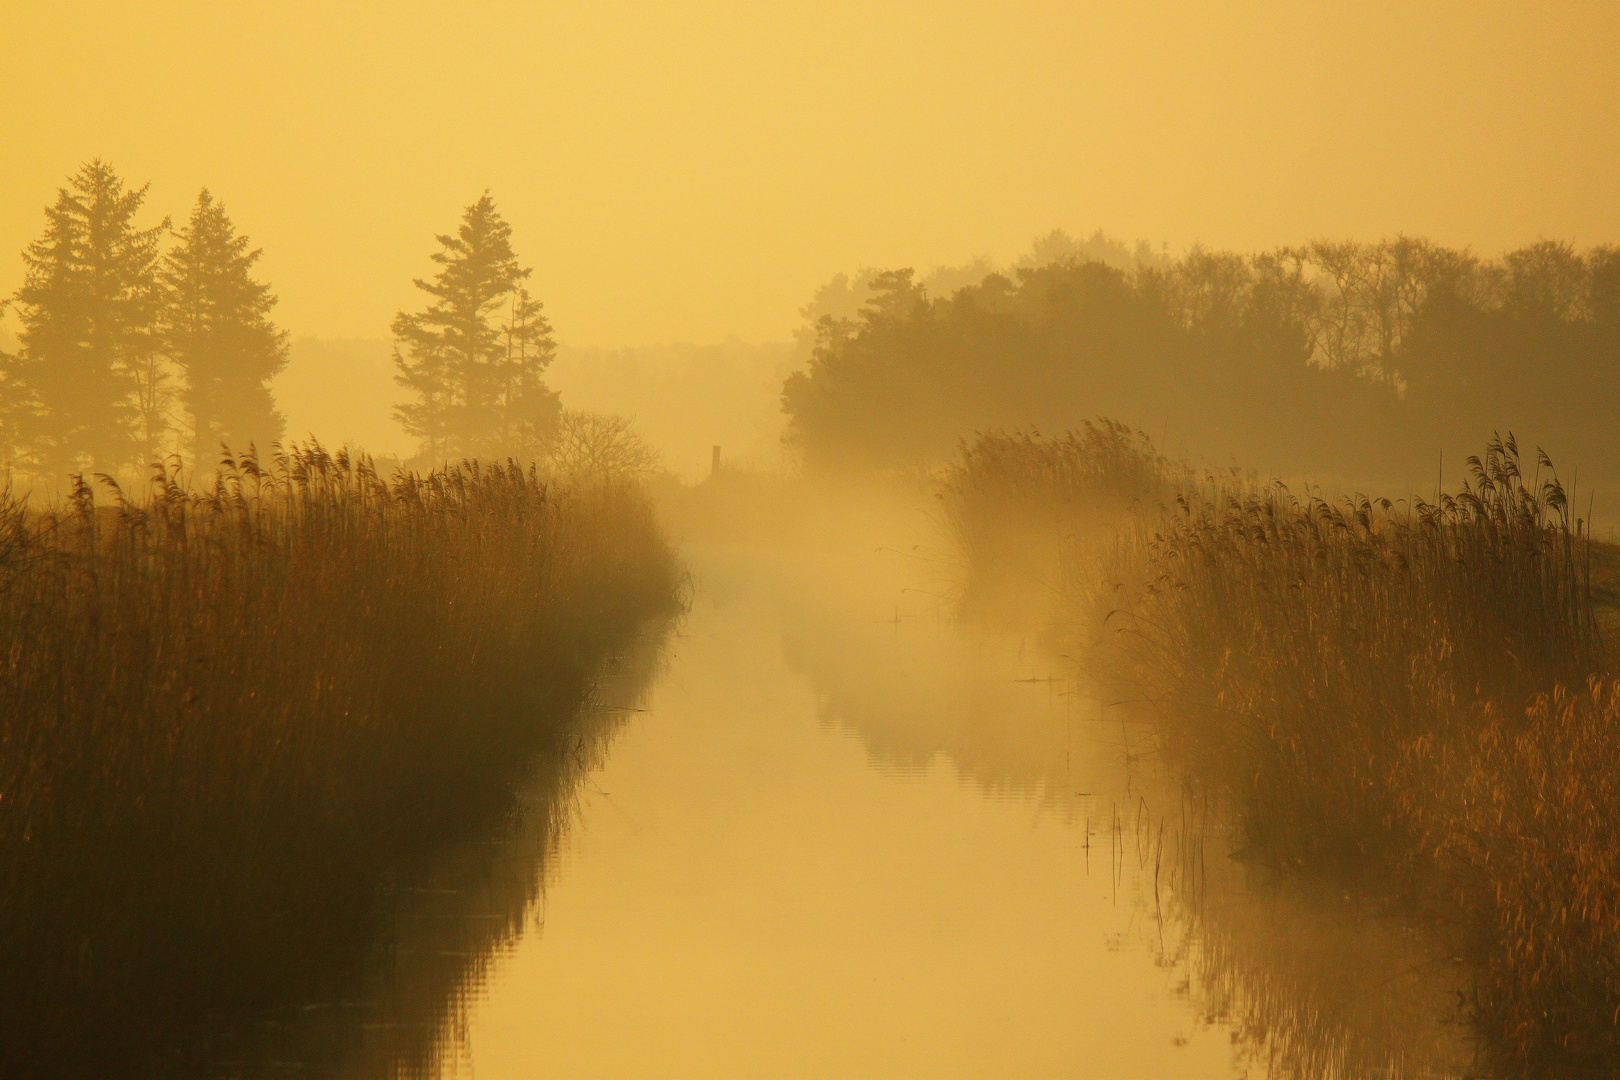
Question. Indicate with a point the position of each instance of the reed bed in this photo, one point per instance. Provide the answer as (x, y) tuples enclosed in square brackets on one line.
[(1015, 501), (1327, 637), (1516, 817), (1408, 695), (227, 718)]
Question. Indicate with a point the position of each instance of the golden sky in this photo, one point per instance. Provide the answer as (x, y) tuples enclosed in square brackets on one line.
[(684, 170)]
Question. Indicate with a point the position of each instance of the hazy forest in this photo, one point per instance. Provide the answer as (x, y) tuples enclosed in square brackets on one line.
[(669, 542)]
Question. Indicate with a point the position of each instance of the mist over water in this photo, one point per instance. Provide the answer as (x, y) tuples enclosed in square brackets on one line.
[(810, 540), (919, 847)]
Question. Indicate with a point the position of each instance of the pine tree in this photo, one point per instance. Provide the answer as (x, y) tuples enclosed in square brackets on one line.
[(217, 331), (87, 388), (519, 411), (474, 358), (12, 400)]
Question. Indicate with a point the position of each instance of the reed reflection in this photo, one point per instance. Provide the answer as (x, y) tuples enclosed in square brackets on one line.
[(376, 981), (1311, 979), (914, 686)]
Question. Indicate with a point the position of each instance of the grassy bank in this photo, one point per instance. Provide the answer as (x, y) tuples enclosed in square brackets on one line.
[(227, 719), (1413, 696)]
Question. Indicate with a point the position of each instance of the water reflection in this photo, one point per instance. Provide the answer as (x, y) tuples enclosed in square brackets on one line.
[(452, 916), (1309, 979), (1317, 982), (748, 896), (914, 693), (370, 978), (842, 836), (889, 664)]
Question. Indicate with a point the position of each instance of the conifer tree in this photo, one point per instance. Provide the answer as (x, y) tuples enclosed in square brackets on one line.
[(12, 401), (519, 411), (218, 332), (475, 357), (87, 388)]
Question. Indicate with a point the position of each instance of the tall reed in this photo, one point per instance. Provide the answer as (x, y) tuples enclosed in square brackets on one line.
[(1517, 814), (1379, 691), (224, 716), (1312, 641)]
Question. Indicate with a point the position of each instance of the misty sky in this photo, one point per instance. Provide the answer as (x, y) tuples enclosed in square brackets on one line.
[(684, 171)]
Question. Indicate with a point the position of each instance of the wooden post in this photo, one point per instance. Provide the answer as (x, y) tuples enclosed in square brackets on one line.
[(714, 463)]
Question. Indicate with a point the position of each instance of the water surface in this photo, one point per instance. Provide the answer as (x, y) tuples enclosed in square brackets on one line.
[(844, 835), (754, 889)]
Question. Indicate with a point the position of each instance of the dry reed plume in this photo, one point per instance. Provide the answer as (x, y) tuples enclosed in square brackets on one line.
[(227, 717), (1381, 691)]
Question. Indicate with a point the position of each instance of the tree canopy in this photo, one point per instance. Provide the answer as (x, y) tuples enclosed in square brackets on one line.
[(87, 388), (1352, 359), (475, 357), (217, 332)]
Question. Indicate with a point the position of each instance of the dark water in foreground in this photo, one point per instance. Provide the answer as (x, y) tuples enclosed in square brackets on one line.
[(841, 837)]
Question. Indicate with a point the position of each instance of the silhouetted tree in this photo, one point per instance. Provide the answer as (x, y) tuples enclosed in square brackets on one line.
[(87, 387), (1058, 246), (217, 331), (514, 411), (11, 401), (837, 299), (1605, 295), (601, 445), (1202, 345), (474, 359)]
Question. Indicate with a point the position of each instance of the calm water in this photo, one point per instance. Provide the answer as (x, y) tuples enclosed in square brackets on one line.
[(848, 839), (766, 882), (837, 835)]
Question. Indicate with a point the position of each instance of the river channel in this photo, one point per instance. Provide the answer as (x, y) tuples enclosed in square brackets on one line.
[(849, 836), (838, 832), (782, 870)]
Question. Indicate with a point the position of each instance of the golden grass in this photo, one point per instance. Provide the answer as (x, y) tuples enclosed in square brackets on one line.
[(1516, 818), (1395, 693), (224, 717)]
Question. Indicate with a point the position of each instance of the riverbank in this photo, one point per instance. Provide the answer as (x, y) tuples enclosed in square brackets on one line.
[(1412, 698), (231, 718)]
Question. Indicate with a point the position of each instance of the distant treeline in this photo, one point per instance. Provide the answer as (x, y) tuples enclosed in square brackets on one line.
[(131, 350), (844, 295), (1360, 360)]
